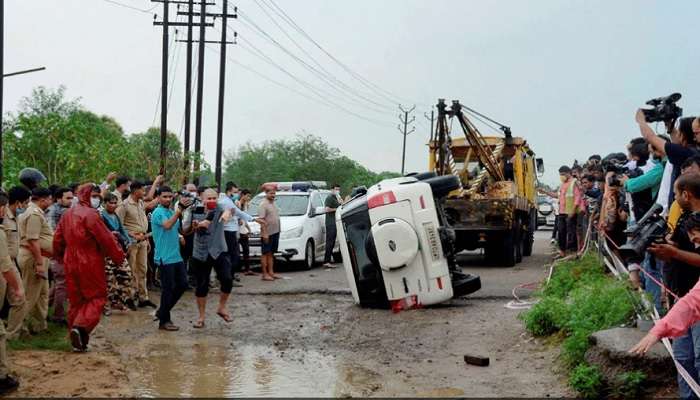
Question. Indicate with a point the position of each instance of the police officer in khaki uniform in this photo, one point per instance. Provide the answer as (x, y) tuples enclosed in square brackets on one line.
[(132, 213), (18, 200), (7, 382), (36, 246)]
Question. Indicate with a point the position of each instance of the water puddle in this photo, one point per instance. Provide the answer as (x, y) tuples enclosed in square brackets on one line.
[(201, 370)]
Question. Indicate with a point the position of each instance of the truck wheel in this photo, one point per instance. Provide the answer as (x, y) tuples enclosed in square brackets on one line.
[(509, 249), (518, 241), (529, 241)]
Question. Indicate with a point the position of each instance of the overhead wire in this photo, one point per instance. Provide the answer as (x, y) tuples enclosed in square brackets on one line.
[(326, 73), (320, 99), (370, 85), (246, 45), (120, 4), (255, 28)]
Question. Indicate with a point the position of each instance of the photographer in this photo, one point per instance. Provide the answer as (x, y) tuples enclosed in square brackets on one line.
[(641, 184), (683, 263), (681, 147)]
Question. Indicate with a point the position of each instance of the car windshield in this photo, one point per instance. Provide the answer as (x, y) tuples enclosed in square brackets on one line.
[(289, 205)]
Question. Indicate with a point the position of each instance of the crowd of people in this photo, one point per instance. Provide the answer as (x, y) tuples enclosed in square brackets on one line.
[(605, 198), (90, 250)]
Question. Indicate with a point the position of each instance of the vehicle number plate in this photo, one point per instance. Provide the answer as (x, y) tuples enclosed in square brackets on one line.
[(432, 235)]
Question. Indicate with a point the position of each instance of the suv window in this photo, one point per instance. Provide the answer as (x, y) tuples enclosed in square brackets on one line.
[(316, 201)]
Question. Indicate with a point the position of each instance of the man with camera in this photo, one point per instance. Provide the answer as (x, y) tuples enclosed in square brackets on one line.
[(683, 262)]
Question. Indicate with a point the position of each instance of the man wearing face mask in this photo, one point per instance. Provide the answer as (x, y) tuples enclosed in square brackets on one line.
[(82, 241), (62, 201), (35, 248), (332, 203), (231, 227)]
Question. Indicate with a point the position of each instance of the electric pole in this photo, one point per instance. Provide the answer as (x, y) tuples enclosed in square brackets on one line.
[(431, 118), (222, 80), (200, 90), (188, 90), (405, 132), (164, 84)]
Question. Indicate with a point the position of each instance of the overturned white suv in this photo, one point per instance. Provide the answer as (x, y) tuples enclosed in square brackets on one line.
[(397, 249)]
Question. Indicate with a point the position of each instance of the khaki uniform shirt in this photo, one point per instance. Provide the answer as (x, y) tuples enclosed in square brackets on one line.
[(34, 226), (133, 216), (10, 224), (6, 263)]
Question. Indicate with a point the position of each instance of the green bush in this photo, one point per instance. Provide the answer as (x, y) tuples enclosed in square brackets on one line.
[(587, 380), (546, 317), (579, 300), (629, 385)]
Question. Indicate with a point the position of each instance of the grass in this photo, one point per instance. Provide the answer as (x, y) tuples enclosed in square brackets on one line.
[(579, 300), (54, 338)]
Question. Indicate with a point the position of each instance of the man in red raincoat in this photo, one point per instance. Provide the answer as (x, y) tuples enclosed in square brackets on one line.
[(82, 241)]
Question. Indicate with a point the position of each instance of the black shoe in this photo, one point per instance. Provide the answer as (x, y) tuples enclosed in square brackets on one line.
[(76, 340), (9, 384), (147, 303), (131, 305)]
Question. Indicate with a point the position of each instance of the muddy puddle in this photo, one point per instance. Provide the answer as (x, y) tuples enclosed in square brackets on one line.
[(216, 371)]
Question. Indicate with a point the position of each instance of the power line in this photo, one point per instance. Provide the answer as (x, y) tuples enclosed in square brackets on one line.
[(320, 99), (328, 80), (145, 11), (318, 64), (319, 92), (376, 88)]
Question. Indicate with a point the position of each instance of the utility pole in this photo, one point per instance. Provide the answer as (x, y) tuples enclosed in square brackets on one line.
[(222, 80), (164, 85), (188, 90), (405, 132), (200, 90), (222, 74), (431, 118)]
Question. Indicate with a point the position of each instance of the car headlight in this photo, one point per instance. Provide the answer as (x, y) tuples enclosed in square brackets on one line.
[(292, 233)]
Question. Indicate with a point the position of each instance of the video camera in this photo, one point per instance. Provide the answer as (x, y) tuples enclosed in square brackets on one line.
[(651, 228), (664, 108), (184, 194), (615, 165)]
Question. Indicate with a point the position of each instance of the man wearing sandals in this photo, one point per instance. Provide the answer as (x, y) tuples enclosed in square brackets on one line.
[(173, 274), (210, 251), (270, 232)]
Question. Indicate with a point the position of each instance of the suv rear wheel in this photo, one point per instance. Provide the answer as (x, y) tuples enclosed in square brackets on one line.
[(309, 255)]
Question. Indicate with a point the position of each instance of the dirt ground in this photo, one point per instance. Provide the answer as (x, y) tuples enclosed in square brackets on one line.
[(303, 336)]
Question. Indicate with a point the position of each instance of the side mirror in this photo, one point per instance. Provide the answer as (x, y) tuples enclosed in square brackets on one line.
[(540, 166), (319, 211)]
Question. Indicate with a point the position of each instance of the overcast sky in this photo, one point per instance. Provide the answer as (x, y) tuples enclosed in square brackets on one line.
[(566, 75)]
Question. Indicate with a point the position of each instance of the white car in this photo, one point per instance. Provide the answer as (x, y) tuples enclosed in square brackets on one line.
[(396, 251), (302, 223), (546, 211)]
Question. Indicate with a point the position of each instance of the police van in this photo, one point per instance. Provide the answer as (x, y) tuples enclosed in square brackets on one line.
[(302, 222)]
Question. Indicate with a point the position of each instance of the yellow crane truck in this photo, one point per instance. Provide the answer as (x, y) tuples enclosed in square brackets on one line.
[(496, 206)]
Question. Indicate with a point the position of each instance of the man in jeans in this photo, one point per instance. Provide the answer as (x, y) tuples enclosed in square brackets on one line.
[(684, 272), (332, 203), (173, 275), (227, 202), (62, 201)]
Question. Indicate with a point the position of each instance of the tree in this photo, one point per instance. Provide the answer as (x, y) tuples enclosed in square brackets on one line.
[(304, 158)]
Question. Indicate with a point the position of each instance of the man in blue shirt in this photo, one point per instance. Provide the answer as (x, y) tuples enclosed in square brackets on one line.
[(165, 224), (231, 227)]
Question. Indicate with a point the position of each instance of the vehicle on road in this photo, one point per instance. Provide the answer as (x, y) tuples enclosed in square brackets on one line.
[(546, 211), (302, 223), (494, 207), (397, 251)]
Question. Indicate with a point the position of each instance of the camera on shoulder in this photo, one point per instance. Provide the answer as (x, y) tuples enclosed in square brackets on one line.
[(663, 108)]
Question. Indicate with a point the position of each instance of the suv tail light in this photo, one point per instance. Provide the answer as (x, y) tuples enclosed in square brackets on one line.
[(381, 199)]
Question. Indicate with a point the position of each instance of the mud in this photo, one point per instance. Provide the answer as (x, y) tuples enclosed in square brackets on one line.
[(321, 344)]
